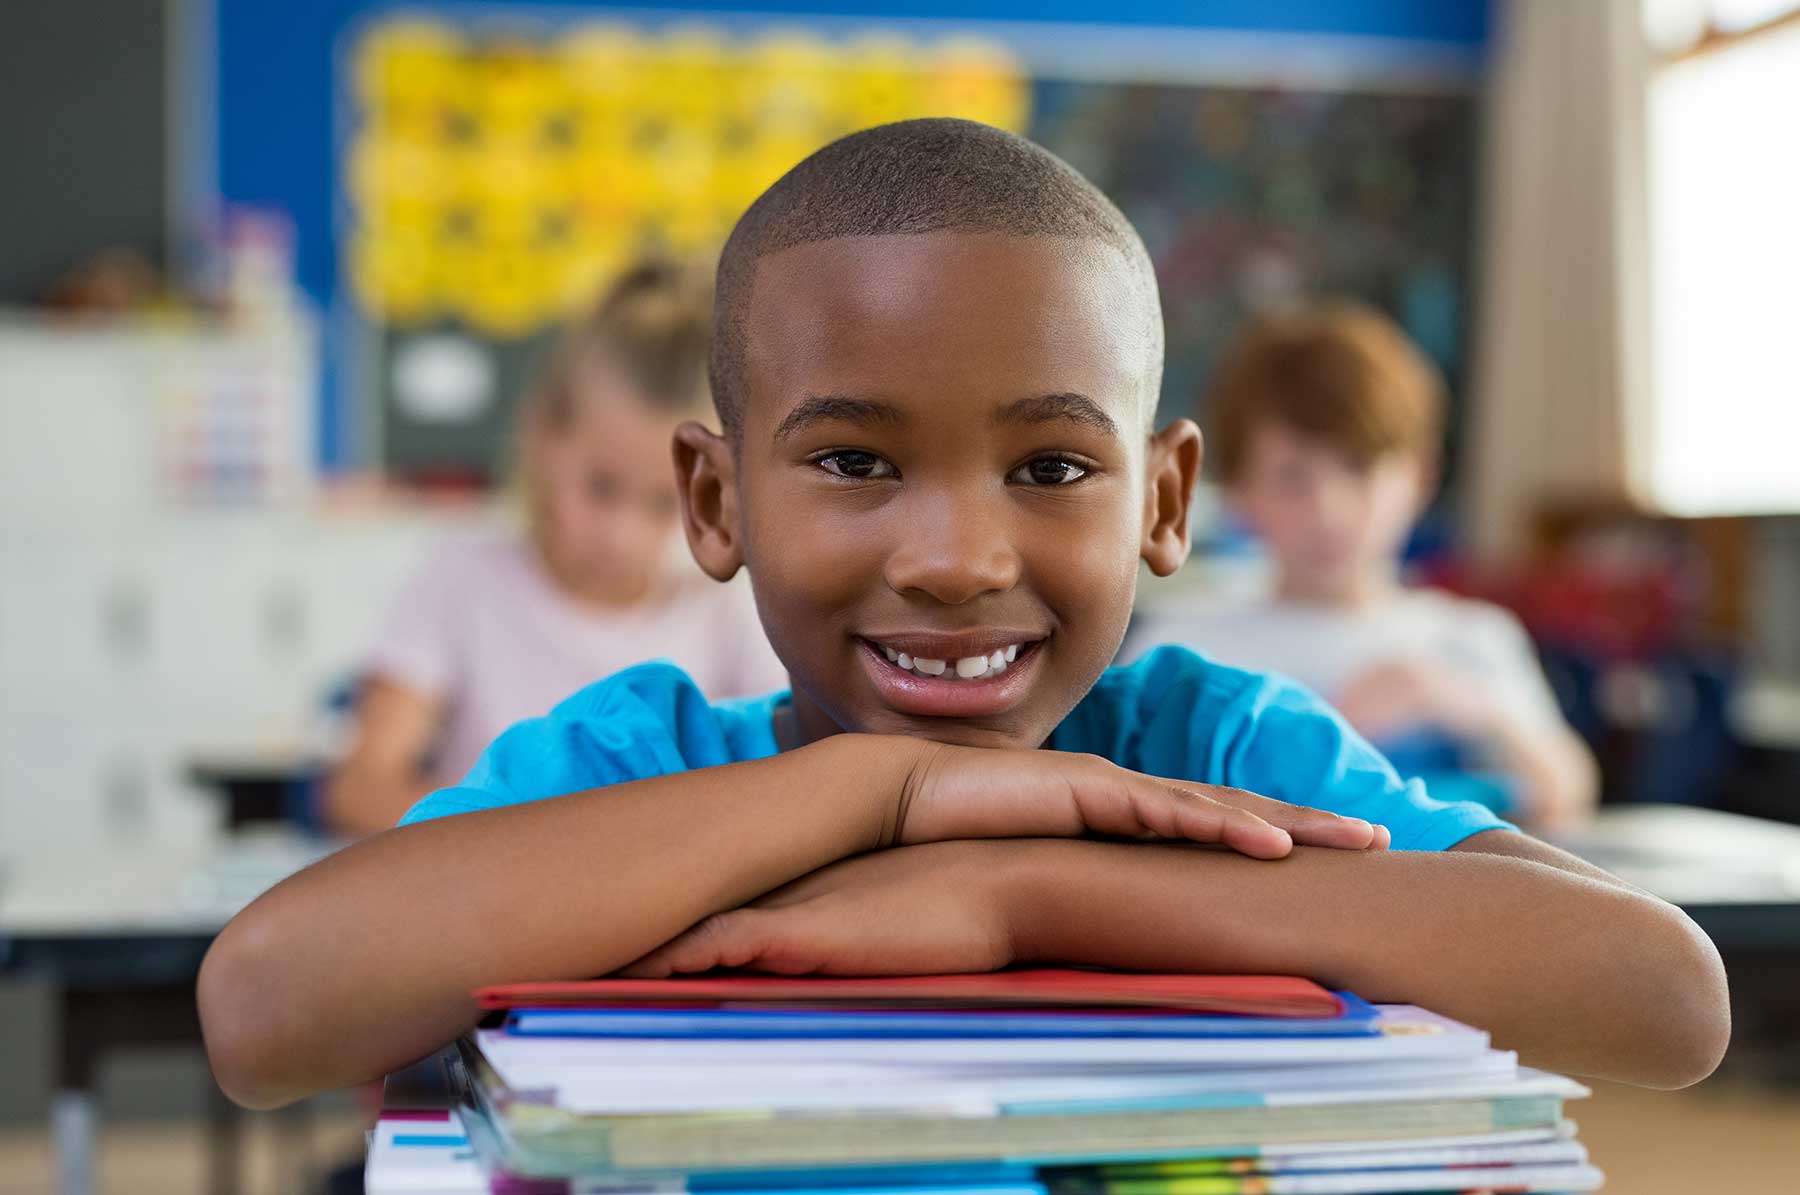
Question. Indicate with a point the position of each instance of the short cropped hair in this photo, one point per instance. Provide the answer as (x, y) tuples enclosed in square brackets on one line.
[(1339, 373), (917, 176)]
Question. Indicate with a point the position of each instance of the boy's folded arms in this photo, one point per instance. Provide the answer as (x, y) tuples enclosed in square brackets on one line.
[(1460, 931)]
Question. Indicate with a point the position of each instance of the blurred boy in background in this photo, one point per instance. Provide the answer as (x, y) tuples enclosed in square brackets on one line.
[(497, 629), (1325, 432)]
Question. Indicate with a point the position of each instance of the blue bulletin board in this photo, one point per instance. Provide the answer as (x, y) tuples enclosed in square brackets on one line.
[(1263, 149)]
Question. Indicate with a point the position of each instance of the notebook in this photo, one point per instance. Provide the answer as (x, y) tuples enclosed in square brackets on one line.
[(1243, 995), (543, 1139), (1358, 1020), (1405, 1033)]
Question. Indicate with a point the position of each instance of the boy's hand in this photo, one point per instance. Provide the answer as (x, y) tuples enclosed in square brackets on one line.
[(919, 910), (974, 792)]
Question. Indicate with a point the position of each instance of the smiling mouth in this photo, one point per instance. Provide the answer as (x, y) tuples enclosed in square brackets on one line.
[(962, 668)]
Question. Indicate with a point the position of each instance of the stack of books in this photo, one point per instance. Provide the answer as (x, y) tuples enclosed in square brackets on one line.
[(1014, 1083)]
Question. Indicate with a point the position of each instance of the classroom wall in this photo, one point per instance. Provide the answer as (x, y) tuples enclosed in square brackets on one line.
[(274, 71), (274, 131)]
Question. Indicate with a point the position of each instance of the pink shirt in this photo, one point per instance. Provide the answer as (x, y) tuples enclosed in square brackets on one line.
[(484, 629)]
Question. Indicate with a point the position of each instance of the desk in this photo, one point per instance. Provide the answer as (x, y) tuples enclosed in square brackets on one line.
[(1737, 877), (120, 934), (260, 785)]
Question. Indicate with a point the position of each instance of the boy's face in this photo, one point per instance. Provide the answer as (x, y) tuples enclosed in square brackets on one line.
[(943, 455), (1327, 520)]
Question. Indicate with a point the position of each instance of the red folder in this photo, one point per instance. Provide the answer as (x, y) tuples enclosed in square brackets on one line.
[(1248, 995)]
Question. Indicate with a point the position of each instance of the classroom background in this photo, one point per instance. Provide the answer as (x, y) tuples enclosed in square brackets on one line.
[(272, 277)]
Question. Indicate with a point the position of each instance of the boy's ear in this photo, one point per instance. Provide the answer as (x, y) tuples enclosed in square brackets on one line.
[(706, 474), (1170, 476)]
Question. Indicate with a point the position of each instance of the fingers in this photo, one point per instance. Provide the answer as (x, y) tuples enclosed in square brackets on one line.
[(1197, 817), (1309, 827), (784, 941), (1113, 800), (1027, 794), (1250, 824), (733, 939), (1248, 834)]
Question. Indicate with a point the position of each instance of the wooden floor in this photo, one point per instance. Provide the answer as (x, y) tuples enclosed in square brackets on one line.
[(1718, 1138)]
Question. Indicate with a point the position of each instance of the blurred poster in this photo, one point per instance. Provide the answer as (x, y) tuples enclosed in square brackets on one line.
[(497, 174)]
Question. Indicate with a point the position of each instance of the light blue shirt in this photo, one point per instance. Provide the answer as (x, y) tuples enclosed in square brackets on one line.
[(1170, 714)]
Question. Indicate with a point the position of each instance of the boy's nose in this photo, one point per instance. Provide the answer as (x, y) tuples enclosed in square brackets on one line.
[(953, 555)]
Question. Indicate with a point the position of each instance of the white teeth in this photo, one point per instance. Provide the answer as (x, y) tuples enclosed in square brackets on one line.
[(967, 668)]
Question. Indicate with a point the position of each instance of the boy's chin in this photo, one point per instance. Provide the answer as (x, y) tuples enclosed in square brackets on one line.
[(958, 732)]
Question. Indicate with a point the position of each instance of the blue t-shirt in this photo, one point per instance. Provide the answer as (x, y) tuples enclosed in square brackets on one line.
[(1170, 714)]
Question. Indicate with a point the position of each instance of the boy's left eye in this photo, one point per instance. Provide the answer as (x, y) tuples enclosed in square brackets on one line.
[(1048, 470)]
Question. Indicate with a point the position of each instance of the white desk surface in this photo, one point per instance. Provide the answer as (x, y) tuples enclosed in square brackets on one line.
[(1689, 856), (1694, 856), (119, 891)]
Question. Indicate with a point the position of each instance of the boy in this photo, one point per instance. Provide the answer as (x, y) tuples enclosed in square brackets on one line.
[(1325, 426), (936, 356)]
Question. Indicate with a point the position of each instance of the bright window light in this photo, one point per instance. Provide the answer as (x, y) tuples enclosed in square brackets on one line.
[(1724, 142)]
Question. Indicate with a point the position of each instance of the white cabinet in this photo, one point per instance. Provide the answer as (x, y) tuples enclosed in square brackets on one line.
[(137, 627)]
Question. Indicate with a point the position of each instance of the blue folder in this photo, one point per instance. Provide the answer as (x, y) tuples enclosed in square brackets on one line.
[(1359, 1020)]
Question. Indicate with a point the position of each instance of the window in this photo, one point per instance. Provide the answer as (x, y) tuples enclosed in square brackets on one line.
[(1724, 209)]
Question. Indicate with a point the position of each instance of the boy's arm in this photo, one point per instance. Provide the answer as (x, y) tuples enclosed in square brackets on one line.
[(365, 961), (1570, 966)]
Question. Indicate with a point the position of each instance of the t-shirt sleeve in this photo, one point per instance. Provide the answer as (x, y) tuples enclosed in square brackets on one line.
[(1178, 715), (651, 720), (1281, 741), (416, 642)]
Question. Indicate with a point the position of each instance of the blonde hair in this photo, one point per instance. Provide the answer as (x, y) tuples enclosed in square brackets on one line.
[(650, 328), (1340, 372), (649, 331)]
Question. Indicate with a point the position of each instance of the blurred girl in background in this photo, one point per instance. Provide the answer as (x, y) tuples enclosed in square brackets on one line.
[(496, 629)]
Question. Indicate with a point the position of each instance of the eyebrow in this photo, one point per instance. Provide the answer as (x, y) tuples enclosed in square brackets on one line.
[(1041, 408), (1049, 408), (837, 408)]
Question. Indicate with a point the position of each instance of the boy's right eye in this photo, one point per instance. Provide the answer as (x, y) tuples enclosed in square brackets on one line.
[(855, 465)]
